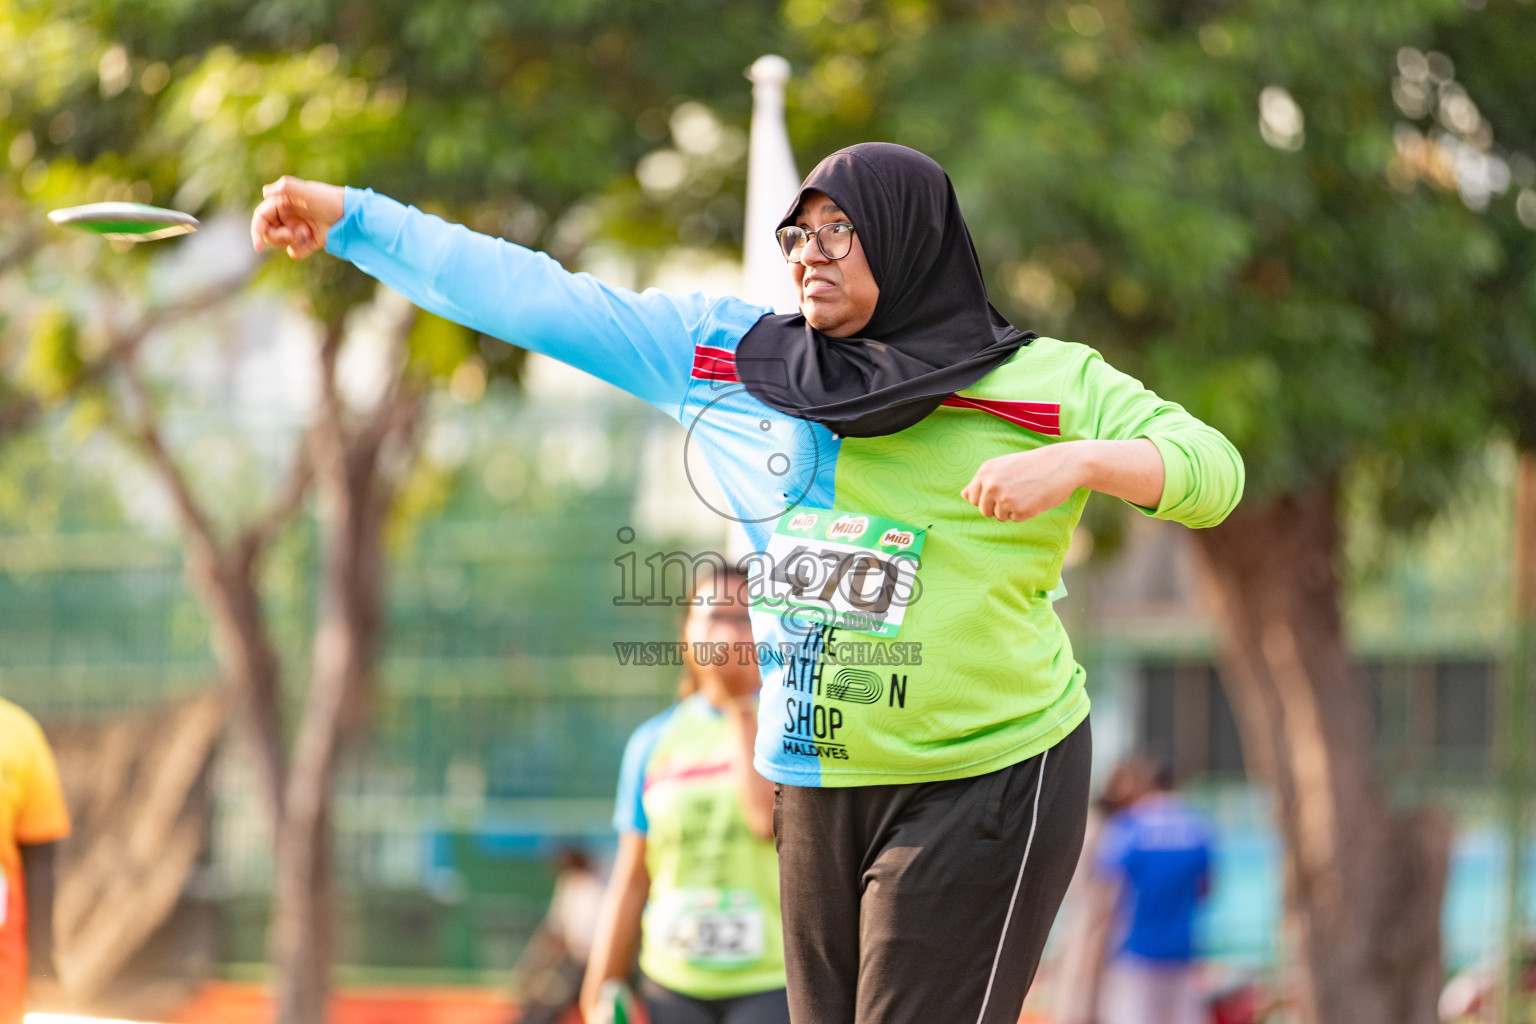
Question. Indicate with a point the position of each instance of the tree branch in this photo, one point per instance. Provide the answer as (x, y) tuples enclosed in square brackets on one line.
[(328, 438), (397, 401), (125, 341), (146, 431), (255, 538), (224, 576), (17, 415)]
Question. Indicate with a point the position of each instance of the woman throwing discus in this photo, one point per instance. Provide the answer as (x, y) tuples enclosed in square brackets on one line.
[(696, 862), (909, 467)]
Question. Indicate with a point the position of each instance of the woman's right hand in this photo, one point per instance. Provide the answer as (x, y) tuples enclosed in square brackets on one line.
[(296, 215)]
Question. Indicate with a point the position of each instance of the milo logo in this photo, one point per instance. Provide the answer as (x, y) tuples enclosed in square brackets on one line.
[(848, 528), (897, 538), (804, 521)]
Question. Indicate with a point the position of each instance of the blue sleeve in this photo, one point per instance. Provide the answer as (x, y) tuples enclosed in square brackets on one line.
[(629, 808), (641, 342)]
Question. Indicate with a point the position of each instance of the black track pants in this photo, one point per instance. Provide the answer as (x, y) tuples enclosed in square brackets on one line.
[(928, 903)]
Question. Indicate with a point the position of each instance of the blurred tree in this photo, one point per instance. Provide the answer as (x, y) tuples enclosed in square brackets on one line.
[(522, 120), (1299, 221)]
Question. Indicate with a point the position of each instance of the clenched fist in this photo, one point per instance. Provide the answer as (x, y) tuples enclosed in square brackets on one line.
[(296, 215), (1013, 488)]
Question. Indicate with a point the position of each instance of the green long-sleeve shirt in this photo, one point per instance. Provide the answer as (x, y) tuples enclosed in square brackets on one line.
[(997, 681)]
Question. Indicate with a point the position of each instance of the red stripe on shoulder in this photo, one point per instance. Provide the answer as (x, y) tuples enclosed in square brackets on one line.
[(1041, 417), (711, 363)]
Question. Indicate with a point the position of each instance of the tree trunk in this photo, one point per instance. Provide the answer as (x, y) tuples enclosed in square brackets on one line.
[(304, 906), (1363, 884), (223, 576), (248, 662), (354, 501), (302, 930)]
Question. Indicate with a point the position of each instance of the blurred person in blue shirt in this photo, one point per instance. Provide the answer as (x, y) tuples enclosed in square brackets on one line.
[(1088, 915), (1158, 853)]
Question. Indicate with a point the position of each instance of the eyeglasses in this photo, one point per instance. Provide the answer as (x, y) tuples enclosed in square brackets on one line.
[(835, 240)]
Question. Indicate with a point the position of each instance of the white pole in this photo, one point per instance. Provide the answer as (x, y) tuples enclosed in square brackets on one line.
[(772, 183)]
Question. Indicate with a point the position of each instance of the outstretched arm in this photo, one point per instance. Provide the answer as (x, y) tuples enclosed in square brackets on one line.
[(641, 342)]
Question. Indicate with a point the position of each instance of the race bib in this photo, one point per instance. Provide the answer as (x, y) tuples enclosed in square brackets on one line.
[(850, 570), (710, 927)]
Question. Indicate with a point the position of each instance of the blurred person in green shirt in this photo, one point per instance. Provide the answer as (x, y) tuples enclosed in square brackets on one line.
[(695, 885)]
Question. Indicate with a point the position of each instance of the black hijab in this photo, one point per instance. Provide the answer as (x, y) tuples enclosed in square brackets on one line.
[(933, 331)]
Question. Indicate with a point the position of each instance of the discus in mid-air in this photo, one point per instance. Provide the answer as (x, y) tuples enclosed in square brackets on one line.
[(126, 222)]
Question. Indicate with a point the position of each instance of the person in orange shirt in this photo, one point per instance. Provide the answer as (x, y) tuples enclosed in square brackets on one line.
[(32, 821)]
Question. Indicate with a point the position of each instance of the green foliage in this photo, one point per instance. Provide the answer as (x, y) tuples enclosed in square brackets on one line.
[(1493, 56), (1225, 199), (424, 494), (1244, 203), (1443, 586), (43, 491), (522, 120), (52, 362), (437, 346), (504, 114)]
